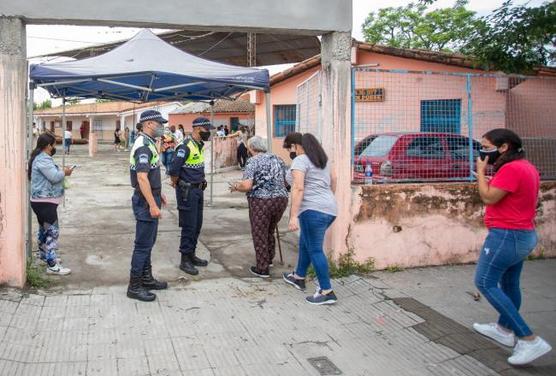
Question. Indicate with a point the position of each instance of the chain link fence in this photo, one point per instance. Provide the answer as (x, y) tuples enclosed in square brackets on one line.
[(309, 106), (411, 126)]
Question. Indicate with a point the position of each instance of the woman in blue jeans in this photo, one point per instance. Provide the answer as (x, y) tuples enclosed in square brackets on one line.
[(313, 210), (511, 200)]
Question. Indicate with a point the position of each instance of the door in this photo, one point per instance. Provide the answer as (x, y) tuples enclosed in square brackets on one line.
[(234, 124), (85, 129)]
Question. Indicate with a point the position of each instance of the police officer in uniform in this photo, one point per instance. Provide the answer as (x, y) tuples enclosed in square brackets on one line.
[(147, 200), (187, 171)]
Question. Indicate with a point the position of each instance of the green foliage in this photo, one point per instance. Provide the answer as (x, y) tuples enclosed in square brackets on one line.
[(411, 26), (35, 277), (394, 268), (516, 39), (346, 266), (47, 103), (539, 256)]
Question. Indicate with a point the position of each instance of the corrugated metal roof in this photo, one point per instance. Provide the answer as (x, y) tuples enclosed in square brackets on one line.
[(221, 105)]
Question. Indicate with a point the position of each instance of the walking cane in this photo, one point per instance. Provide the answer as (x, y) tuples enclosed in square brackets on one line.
[(279, 246)]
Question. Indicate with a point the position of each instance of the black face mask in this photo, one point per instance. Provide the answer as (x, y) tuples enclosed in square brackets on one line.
[(52, 152), (492, 155), (205, 136), (293, 154)]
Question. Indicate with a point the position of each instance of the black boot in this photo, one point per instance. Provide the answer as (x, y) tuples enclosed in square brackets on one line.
[(150, 283), (136, 290), (197, 261), (187, 266)]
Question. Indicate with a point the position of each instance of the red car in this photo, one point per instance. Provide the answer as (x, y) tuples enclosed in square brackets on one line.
[(413, 157)]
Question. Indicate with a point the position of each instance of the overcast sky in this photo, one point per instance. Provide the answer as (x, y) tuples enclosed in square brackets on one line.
[(48, 39)]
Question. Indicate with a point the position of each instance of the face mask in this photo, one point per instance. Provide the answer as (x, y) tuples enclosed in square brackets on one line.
[(205, 135), (52, 152), (293, 154), (159, 131), (493, 155)]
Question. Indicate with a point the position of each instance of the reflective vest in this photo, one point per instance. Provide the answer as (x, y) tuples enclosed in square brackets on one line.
[(144, 141), (196, 158)]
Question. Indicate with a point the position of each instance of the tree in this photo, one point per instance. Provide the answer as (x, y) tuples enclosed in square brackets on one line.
[(412, 26), (47, 103), (516, 38)]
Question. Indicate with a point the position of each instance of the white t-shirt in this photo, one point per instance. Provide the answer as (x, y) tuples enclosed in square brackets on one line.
[(67, 134)]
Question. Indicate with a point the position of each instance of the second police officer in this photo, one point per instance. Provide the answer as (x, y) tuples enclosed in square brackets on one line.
[(187, 171)]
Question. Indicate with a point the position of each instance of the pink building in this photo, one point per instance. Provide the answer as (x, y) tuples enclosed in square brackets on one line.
[(420, 224)]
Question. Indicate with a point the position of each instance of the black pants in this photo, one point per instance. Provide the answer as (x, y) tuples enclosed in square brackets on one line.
[(45, 212), (190, 219), (146, 229), (242, 155)]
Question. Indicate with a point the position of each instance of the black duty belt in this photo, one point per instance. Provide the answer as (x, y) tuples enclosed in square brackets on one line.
[(196, 185)]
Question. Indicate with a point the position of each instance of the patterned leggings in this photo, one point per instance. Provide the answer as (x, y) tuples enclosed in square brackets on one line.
[(49, 232), (264, 214)]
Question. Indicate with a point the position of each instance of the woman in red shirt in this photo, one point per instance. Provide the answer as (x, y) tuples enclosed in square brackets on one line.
[(511, 200)]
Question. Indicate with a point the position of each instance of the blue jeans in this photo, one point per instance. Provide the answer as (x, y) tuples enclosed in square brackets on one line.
[(498, 271), (167, 158), (313, 225)]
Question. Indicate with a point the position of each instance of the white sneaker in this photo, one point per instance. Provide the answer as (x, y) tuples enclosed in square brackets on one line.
[(527, 351), (57, 269), (493, 331)]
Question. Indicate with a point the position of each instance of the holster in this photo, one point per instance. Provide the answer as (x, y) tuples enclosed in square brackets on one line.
[(184, 187)]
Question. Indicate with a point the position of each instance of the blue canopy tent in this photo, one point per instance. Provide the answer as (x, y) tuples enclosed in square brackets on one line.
[(143, 69)]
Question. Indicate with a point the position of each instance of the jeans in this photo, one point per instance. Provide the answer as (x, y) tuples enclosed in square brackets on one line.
[(167, 158), (313, 225), (498, 272)]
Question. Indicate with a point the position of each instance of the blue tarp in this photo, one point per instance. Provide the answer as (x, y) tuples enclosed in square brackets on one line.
[(145, 69)]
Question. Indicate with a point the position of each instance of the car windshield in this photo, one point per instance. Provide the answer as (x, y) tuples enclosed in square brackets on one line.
[(379, 146)]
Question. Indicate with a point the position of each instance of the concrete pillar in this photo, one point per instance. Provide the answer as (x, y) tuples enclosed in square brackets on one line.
[(92, 138), (13, 182), (336, 128)]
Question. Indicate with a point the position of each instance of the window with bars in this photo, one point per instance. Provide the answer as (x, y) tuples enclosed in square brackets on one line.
[(441, 115), (284, 119)]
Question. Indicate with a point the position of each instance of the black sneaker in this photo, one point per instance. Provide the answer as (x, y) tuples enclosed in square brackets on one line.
[(319, 298), (295, 282), (254, 271)]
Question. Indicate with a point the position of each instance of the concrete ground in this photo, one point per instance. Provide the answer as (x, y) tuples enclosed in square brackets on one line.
[(224, 322)]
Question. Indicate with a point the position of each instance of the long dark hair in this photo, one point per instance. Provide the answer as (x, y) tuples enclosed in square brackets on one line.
[(313, 150), (501, 136), (43, 141)]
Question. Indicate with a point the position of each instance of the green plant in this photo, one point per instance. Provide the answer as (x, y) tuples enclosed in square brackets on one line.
[(538, 256), (346, 266), (35, 277), (394, 268)]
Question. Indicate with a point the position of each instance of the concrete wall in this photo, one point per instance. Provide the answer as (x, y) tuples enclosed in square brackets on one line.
[(288, 16), (433, 224)]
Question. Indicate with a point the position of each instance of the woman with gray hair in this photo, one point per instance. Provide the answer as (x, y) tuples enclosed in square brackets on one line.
[(265, 184)]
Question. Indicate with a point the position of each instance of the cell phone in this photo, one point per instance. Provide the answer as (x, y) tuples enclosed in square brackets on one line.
[(74, 166), (474, 173)]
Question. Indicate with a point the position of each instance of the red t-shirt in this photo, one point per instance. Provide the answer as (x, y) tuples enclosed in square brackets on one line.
[(516, 211)]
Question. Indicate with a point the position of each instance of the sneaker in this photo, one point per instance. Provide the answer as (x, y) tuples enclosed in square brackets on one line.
[(254, 271), (527, 351), (319, 298), (493, 331), (295, 282), (57, 269)]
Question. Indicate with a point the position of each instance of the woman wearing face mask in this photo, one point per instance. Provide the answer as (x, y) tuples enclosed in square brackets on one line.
[(265, 185), (47, 193), (313, 210), (511, 199)]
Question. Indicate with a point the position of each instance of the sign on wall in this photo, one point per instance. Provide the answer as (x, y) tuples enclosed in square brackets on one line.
[(370, 95)]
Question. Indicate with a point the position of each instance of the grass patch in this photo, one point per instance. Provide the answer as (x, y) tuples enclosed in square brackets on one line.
[(539, 256), (346, 266), (35, 276), (394, 268)]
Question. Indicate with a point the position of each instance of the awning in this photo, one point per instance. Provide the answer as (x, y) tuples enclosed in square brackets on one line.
[(146, 68)]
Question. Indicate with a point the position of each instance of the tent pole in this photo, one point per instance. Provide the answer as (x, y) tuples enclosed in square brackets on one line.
[(30, 100), (64, 128), (268, 121), (212, 155)]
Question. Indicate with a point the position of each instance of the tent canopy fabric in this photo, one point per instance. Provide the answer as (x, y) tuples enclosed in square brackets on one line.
[(146, 69)]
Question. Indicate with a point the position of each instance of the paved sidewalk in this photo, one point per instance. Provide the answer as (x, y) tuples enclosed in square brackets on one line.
[(220, 327)]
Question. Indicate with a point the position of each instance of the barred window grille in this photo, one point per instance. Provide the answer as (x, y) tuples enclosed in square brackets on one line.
[(284, 119)]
